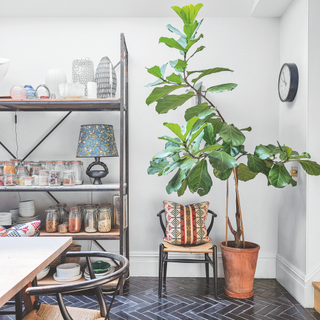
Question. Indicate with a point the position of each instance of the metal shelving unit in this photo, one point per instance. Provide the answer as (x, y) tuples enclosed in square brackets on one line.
[(103, 105)]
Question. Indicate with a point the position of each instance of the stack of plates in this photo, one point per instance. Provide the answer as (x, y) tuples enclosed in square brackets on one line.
[(26, 208), (98, 275), (5, 219), (100, 269), (26, 219)]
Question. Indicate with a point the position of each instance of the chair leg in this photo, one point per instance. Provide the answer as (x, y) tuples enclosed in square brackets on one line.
[(206, 257), (165, 268), (160, 270), (215, 271)]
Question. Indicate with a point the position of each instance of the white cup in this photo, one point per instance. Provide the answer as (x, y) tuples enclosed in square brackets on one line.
[(92, 90)]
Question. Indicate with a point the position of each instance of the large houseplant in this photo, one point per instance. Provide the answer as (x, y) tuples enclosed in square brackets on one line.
[(208, 140)]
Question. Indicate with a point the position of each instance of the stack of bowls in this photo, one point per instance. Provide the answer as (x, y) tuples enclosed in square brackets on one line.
[(15, 214), (43, 273), (67, 272), (26, 212), (5, 219), (100, 269)]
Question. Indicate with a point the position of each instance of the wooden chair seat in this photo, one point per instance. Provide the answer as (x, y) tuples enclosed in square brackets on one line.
[(201, 248), (51, 312)]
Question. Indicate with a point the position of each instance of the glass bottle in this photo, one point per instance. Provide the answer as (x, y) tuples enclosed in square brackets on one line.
[(63, 213), (9, 168), (54, 178), (21, 174), (1, 170), (90, 220), (27, 164), (52, 219), (60, 166), (74, 219), (43, 177), (104, 219), (77, 167), (35, 175)]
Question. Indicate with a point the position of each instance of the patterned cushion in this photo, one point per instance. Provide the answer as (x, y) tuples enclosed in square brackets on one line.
[(28, 229), (186, 224)]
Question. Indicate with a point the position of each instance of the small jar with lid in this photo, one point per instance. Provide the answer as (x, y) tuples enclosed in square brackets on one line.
[(21, 174), (27, 164), (48, 165), (63, 228), (28, 181), (54, 178), (16, 162), (77, 168), (52, 219), (43, 177), (60, 166), (68, 178), (9, 168), (10, 180), (74, 219), (90, 220), (105, 218), (35, 175)]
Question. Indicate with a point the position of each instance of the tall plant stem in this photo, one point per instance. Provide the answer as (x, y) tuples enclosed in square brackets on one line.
[(238, 204), (227, 212)]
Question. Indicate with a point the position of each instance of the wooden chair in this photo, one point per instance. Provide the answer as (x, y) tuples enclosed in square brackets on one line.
[(206, 248), (61, 312)]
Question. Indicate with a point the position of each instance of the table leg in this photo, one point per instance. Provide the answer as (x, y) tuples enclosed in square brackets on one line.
[(28, 300), (18, 305)]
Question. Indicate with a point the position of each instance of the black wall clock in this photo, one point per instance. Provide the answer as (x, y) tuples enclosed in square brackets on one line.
[(288, 82)]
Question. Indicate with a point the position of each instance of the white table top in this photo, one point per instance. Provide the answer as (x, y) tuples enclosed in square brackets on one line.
[(21, 259)]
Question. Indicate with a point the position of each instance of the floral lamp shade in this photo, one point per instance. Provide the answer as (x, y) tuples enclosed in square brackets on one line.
[(97, 140)]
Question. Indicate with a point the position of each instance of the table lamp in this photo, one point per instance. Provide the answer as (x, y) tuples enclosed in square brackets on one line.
[(97, 140)]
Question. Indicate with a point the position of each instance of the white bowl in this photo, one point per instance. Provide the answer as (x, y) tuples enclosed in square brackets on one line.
[(26, 214), (43, 273), (68, 270), (72, 90), (4, 65)]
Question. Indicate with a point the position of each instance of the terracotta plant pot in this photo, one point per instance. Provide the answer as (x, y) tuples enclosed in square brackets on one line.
[(239, 267)]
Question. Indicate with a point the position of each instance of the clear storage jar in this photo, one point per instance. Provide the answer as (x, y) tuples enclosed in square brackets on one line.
[(43, 177), (60, 166), (21, 174), (1, 170), (10, 180), (9, 168), (63, 212), (16, 162), (35, 175), (77, 168), (54, 178), (48, 165), (90, 220), (68, 178), (74, 219), (104, 218), (28, 181), (52, 219)]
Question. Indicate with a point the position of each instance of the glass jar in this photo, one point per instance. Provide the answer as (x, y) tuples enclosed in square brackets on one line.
[(77, 168), (28, 181), (9, 168), (43, 177), (63, 228), (10, 180), (1, 180), (54, 178), (1, 170), (27, 164), (68, 178), (52, 220), (74, 219), (48, 165), (16, 162), (90, 219), (35, 175), (42, 92), (104, 219), (63, 213), (21, 174), (60, 166)]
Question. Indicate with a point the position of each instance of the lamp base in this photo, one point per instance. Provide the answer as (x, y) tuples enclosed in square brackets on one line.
[(97, 174)]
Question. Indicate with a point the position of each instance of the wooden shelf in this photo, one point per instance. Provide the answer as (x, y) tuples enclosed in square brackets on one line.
[(110, 104)]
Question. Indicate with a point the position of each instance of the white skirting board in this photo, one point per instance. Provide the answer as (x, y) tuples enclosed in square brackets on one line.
[(146, 264), (298, 284)]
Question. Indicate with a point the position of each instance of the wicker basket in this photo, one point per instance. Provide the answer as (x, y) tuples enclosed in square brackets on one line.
[(62, 257)]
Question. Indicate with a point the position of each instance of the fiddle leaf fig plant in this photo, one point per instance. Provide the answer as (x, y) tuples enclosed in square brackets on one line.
[(206, 145)]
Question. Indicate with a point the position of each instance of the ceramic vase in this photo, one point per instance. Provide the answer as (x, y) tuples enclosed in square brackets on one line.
[(106, 79), (53, 78)]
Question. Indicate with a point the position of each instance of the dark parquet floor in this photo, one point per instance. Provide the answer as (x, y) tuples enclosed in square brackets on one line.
[(192, 299)]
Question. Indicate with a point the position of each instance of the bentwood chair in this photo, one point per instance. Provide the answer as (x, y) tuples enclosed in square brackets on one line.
[(54, 312), (205, 248)]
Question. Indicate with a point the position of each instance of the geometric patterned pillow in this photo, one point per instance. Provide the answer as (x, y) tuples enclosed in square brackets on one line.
[(23, 230), (186, 224)]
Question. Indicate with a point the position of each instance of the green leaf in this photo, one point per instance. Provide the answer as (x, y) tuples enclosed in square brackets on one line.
[(222, 87), (158, 93), (293, 182), (195, 145), (195, 134), (156, 71), (192, 42), (175, 143), (244, 173), (231, 135), (217, 124), (170, 139), (188, 13), (176, 182), (156, 83), (222, 161), (175, 78), (266, 167), (199, 179), (279, 176), (188, 163), (174, 30), (273, 149), (288, 151), (311, 167), (299, 156), (171, 166), (183, 188), (175, 128), (207, 72), (172, 102), (179, 65), (194, 111), (263, 152), (157, 166), (209, 134), (167, 152), (206, 114), (189, 125), (255, 164), (209, 149), (222, 175), (172, 43), (233, 151), (283, 156), (198, 50), (191, 29)]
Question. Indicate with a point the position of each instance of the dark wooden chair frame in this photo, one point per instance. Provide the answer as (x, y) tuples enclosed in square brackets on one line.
[(164, 259), (94, 283)]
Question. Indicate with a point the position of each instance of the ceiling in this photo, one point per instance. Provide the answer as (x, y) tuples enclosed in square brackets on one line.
[(139, 8)]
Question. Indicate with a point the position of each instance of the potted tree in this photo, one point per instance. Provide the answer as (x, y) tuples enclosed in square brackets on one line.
[(207, 140)]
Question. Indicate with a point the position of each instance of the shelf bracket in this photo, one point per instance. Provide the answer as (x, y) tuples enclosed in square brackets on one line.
[(12, 155)]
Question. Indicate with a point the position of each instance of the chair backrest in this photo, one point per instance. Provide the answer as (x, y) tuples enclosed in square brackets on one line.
[(95, 284), (162, 219)]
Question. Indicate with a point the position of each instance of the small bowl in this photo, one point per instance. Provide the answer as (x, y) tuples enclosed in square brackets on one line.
[(68, 270), (72, 90), (43, 273)]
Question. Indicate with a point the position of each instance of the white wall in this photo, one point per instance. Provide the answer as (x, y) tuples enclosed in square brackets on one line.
[(248, 46)]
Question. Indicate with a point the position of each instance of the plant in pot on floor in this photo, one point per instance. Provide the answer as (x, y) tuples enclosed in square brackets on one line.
[(207, 143)]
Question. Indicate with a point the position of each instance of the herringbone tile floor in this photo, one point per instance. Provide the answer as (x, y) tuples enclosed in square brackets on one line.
[(192, 299)]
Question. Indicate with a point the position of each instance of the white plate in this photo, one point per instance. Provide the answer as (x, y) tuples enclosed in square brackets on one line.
[(67, 279), (87, 276)]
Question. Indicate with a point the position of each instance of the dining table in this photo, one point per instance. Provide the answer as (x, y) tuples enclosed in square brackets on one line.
[(21, 260)]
